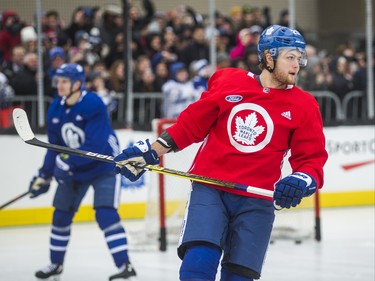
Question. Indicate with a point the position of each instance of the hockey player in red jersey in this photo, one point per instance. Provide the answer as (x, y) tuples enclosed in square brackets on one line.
[(247, 124)]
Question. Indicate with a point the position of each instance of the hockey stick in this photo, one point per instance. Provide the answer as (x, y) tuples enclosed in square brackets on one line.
[(24, 131), (14, 200)]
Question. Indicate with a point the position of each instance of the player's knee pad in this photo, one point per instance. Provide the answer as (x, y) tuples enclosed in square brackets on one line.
[(106, 217), (200, 263), (62, 218), (235, 272)]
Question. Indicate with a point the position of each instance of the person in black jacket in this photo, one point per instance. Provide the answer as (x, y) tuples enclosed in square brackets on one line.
[(197, 49), (25, 82)]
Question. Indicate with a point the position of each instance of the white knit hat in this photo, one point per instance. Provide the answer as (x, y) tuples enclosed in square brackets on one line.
[(28, 34)]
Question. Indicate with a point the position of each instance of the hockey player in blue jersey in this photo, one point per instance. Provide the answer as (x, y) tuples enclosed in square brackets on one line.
[(79, 119)]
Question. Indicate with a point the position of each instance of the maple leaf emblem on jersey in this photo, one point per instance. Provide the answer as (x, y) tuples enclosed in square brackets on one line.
[(247, 131)]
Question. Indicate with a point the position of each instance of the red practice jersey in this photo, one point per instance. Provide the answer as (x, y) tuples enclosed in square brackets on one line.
[(247, 130)]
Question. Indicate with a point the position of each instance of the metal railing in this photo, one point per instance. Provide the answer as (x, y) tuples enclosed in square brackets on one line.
[(330, 105), (29, 103), (351, 110), (146, 106), (354, 106)]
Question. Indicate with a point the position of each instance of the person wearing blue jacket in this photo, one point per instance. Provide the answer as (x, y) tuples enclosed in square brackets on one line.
[(79, 119)]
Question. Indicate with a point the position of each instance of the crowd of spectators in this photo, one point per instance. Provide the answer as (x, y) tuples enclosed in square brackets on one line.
[(168, 48)]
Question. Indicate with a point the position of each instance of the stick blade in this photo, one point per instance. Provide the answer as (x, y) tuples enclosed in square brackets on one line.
[(21, 123)]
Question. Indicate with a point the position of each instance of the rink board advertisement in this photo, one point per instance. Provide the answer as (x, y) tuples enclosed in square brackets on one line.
[(349, 174)]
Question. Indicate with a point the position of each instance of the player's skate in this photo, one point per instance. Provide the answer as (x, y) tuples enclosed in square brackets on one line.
[(126, 272), (51, 272)]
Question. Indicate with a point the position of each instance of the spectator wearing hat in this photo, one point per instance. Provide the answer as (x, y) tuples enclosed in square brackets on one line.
[(247, 16), (84, 49), (200, 71), (111, 24), (178, 91), (29, 38), (255, 31), (57, 57), (163, 56), (10, 33), (236, 17)]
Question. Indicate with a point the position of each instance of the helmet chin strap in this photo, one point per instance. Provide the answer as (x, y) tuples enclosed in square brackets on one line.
[(274, 65), (266, 66), (270, 70), (71, 92)]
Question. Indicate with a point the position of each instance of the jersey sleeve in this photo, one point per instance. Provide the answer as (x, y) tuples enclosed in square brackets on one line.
[(308, 153), (195, 122)]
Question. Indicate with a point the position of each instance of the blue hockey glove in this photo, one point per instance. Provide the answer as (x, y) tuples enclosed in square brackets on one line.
[(140, 153), (62, 171), (290, 190), (39, 185)]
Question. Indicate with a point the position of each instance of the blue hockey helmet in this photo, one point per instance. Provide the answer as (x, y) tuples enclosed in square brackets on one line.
[(72, 71), (276, 37), (176, 67)]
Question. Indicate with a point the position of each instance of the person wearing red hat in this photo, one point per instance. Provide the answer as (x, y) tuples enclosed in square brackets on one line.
[(10, 35)]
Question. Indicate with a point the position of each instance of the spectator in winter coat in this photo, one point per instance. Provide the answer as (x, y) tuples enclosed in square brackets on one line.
[(197, 49), (178, 91), (10, 33), (200, 71)]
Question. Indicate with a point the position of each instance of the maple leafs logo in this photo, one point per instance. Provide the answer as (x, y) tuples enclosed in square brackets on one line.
[(247, 131)]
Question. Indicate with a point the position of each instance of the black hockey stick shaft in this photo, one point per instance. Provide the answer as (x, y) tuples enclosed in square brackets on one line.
[(23, 128), (68, 150), (14, 200)]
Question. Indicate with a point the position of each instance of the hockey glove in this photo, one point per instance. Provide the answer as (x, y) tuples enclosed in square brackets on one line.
[(140, 153), (290, 190), (62, 171), (39, 185)]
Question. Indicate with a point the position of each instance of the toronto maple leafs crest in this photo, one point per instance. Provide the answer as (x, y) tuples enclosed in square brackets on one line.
[(247, 130), (72, 135), (250, 127)]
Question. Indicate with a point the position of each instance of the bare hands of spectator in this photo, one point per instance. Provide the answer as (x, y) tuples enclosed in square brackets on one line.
[(170, 57), (77, 57)]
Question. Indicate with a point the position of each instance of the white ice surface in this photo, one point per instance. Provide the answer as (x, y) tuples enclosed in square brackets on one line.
[(346, 253)]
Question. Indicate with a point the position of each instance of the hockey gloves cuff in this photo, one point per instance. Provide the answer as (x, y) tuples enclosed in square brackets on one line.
[(138, 154), (39, 185), (290, 190), (63, 172)]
